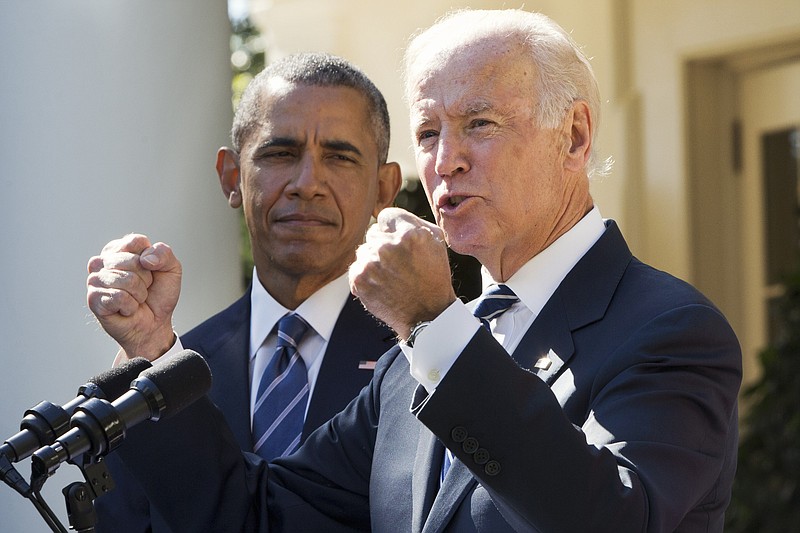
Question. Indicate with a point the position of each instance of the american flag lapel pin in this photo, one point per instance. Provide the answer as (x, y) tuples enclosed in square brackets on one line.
[(366, 365), (545, 361)]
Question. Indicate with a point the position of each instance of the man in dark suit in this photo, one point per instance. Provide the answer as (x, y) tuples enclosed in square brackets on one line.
[(307, 201), (583, 392)]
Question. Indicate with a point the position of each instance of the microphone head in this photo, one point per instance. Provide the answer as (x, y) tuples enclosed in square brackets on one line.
[(181, 380), (116, 381)]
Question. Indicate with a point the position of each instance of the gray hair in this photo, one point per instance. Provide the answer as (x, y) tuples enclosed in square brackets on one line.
[(564, 72), (317, 70)]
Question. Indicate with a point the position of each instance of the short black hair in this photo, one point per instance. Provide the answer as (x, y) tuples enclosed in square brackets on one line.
[(318, 70)]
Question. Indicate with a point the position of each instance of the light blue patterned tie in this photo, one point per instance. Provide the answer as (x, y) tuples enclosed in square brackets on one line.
[(282, 394), (495, 301)]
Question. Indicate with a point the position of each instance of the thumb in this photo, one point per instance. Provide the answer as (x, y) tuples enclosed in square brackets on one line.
[(160, 258)]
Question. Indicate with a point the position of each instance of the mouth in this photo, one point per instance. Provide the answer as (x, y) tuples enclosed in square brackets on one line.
[(303, 219), (450, 202)]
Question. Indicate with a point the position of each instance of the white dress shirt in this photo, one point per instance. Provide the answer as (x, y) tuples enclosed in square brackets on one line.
[(321, 311), (438, 346)]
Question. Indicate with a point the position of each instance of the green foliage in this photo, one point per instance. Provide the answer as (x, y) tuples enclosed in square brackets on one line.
[(766, 493), (247, 56)]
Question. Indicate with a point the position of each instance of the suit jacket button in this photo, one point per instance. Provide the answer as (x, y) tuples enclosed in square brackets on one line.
[(459, 433), (481, 456), (492, 468), (470, 445)]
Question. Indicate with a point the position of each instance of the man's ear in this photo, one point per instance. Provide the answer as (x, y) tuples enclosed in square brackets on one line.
[(581, 130), (389, 183), (229, 175)]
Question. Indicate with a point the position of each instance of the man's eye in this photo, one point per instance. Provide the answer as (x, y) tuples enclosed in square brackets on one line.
[(480, 123), (275, 154), (427, 134)]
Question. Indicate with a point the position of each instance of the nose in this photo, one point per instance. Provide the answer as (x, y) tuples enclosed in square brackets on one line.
[(450, 155), (309, 180)]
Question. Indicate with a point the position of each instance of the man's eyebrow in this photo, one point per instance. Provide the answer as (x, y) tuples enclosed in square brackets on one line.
[(287, 142), (291, 142), (476, 107), (342, 146)]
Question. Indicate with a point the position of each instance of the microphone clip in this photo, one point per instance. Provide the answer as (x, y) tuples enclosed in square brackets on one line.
[(80, 495), (103, 431)]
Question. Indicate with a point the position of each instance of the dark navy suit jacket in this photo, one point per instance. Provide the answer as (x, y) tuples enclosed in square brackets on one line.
[(631, 427), (223, 340)]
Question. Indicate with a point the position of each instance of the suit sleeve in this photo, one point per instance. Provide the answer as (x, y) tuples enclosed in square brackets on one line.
[(126, 508), (649, 447)]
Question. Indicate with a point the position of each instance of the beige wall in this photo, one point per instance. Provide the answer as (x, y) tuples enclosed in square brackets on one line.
[(665, 36)]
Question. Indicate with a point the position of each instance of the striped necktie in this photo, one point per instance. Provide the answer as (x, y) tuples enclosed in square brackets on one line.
[(280, 407), (495, 301)]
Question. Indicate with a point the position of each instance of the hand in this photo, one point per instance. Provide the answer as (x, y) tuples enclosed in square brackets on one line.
[(132, 289), (401, 272)]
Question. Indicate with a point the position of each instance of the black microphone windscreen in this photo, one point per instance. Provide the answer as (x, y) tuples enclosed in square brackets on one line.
[(116, 381), (182, 380)]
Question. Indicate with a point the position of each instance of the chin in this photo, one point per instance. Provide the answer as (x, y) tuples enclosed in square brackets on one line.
[(464, 246)]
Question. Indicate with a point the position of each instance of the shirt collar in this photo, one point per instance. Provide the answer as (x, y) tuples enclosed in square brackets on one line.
[(539, 278), (321, 310)]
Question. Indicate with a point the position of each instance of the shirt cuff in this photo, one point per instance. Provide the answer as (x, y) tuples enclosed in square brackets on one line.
[(438, 346), (172, 352), (176, 348)]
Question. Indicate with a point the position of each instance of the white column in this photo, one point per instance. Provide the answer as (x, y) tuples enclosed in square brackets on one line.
[(110, 116)]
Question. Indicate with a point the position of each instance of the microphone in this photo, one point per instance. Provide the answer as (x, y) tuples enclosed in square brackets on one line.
[(99, 426), (43, 423)]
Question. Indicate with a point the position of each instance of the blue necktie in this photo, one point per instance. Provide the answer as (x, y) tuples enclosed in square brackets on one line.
[(495, 301), (282, 394)]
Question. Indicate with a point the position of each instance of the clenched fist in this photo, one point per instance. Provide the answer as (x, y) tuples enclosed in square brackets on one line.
[(132, 289), (401, 273)]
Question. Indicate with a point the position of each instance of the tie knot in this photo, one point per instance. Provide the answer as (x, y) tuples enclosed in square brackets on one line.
[(291, 329), (494, 302)]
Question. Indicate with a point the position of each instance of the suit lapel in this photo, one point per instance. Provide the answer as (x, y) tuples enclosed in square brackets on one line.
[(545, 349), (234, 400), (357, 337), (547, 345), (424, 485), (458, 482), (225, 348)]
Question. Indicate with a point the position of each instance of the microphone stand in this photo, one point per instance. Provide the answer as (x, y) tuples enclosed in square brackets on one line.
[(35, 496), (80, 495), (16, 481), (47, 513)]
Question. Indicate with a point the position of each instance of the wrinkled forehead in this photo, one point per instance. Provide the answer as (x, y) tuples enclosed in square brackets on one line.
[(477, 69), (435, 59)]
